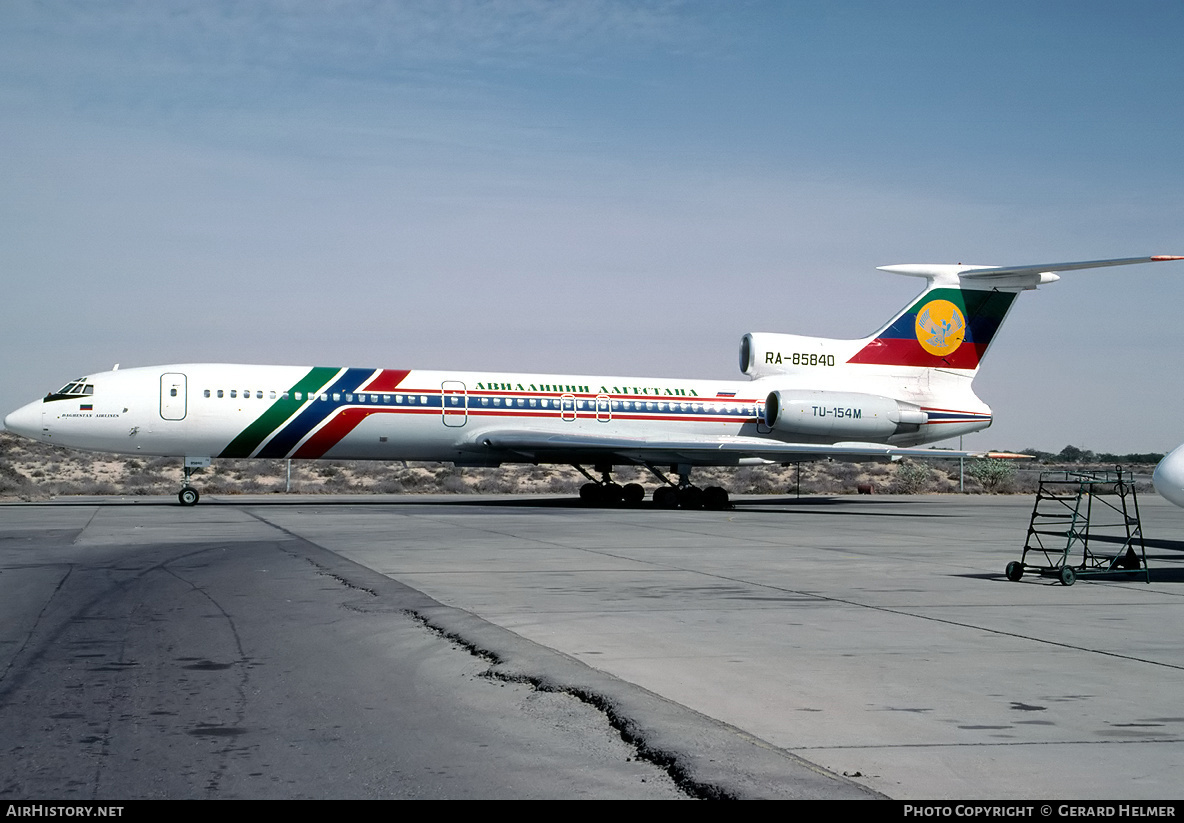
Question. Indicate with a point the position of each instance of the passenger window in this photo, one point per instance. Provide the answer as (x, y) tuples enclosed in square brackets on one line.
[(349, 398), (484, 401), (336, 396), (324, 396), (172, 392), (423, 398), (299, 395), (271, 395), (497, 401), (206, 393), (219, 393), (259, 394), (533, 402), (398, 398), (234, 393)]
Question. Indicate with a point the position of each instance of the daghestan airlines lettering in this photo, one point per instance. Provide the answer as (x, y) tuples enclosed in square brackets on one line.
[(805, 398)]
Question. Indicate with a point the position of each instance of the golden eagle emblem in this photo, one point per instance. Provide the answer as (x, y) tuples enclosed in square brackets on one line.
[(941, 328)]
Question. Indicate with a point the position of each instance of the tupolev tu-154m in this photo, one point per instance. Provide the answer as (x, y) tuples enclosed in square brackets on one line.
[(805, 398)]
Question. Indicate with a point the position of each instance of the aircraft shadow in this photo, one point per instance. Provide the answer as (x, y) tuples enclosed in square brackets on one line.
[(849, 504)]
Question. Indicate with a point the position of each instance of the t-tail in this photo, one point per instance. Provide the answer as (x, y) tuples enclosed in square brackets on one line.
[(923, 360)]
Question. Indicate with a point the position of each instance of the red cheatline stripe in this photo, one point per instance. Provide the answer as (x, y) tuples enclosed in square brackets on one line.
[(386, 380), (331, 433), (890, 351)]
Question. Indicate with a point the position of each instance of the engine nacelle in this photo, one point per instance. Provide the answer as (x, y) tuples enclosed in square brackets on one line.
[(764, 354), (842, 415)]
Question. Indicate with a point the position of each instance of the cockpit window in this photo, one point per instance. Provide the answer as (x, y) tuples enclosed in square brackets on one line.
[(76, 388)]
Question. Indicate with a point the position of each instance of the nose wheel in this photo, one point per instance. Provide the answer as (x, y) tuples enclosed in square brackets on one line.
[(188, 496)]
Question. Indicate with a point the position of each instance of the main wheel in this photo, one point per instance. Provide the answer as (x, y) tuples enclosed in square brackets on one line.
[(665, 497), (188, 496), (1015, 570), (634, 493), (715, 498), (690, 497), (591, 494)]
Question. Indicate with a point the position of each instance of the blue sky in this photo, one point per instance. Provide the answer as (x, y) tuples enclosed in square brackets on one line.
[(592, 187)]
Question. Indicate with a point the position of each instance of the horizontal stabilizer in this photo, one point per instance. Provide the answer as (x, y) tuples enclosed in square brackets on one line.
[(1043, 272)]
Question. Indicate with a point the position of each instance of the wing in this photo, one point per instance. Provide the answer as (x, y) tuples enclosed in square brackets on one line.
[(517, 445)]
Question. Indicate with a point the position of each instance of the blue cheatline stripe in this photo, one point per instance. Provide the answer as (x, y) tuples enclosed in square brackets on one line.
[(316, 411)]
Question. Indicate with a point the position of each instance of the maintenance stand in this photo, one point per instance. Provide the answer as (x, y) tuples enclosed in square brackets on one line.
[(1073, 507)]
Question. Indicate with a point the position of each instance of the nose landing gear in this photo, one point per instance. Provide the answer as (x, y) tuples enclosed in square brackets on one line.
[(188, 496)]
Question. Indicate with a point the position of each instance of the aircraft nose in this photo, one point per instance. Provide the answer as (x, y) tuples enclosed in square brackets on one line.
[(1169, 477), (25, 421)]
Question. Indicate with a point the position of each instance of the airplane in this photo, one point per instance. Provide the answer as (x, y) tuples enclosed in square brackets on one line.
[(1168, 477), (805, 398)]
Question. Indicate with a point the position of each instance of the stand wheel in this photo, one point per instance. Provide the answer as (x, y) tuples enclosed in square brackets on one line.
[(1068, 576), (1015, 570), (188, 496)]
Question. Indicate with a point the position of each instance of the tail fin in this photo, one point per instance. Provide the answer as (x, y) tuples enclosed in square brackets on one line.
[(949, 326), (946, 327)]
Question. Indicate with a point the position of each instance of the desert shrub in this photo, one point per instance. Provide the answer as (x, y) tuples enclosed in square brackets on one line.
[(11, 480), (753, 480), (911, 478), (388, 485), (498, 483), (560, 484), (994, 475), (846, 474), (454, 484)]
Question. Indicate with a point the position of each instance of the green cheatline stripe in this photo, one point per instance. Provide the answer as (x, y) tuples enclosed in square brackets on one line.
[(972, 302), (249, 438)]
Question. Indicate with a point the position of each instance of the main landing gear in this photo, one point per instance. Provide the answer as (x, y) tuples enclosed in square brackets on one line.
[(684, 495), (605, 492), (671, 495)]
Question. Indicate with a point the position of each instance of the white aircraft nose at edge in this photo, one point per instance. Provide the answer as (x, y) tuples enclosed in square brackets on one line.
[(805, 398), (1169, 476)]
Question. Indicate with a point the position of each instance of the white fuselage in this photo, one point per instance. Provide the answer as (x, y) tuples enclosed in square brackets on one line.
[(226, 410)]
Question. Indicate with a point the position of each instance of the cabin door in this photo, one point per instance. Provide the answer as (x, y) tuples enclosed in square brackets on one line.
[(454, 401), (172, 396)]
